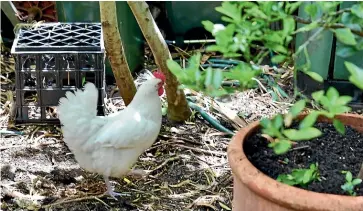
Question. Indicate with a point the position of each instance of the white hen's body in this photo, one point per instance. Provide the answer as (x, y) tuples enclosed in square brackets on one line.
[(110, 145)]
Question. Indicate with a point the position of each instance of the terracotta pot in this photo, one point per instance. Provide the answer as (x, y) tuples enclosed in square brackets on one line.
[(255, 191)]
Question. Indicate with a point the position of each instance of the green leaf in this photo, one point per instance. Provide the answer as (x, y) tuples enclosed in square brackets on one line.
[(174, 67), (325, 102), (297, 108), (307, 176), (282, 147), (278, 59), (208, 77), (351, 21), (357, 10), (356, 181), (317, 95), (346, 51), (339, 126), (231, 55), (217, 78), (230, 10), (286, 179), (277, 47), (327, 6), (309, 120), (265, 122), (256, 12), (198, 76), (227, 19), (291, 7), (294, 111), (356, 74), (208, 25), (289, 25), (212, 48), (343, 100), (359, 46), (312, 10), (217, 92), (345, 36), (335, 110), (347, 187), (332, 94), (277, 121), (314, 76), (302, 134), (348, 176), (313, 167)]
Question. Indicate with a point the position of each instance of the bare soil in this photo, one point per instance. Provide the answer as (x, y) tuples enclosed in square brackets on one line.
[(188, 163), (189, 169), (333, 152)]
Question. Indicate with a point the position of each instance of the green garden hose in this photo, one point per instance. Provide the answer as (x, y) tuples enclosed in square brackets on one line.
[(210, 119)]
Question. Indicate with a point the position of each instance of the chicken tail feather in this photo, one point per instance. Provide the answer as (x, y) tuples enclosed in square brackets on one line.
[(76, 112)]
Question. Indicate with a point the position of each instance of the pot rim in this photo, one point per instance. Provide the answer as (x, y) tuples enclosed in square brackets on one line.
[(280, 193)]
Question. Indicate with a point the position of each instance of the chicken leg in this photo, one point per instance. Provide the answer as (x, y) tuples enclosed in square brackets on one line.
[(109, 189)]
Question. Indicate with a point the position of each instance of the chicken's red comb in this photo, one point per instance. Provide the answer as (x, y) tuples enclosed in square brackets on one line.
[(158, 74)]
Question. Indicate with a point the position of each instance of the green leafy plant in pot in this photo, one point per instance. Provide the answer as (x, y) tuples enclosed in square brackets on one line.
[(248, 36)]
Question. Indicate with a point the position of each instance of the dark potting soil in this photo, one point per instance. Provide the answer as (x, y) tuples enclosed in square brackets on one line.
[(332, 151)]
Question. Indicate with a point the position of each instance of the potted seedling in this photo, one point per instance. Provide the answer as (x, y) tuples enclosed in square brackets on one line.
[(301, 160)]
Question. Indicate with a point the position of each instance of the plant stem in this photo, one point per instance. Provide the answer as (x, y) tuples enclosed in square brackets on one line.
[(178, 109), (115, 51), (341, 11), (307, 42), (327, 25), (301, 48)]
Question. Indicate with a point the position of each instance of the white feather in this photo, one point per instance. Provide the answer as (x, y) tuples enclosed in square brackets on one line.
[(110, 145)]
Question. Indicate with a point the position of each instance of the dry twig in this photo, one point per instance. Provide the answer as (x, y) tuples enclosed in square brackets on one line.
[(69, 200)]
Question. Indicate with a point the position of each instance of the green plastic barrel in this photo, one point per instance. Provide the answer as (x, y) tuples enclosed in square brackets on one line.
[(131, 35), (188, 15), (326, 62), (340, 71)]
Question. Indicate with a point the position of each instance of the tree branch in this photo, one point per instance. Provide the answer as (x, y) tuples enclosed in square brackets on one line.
[(178, 109), (115, 51), (340, 11), (327, 25)]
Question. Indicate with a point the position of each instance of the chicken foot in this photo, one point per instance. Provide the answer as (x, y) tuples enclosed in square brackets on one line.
[(110, 191)]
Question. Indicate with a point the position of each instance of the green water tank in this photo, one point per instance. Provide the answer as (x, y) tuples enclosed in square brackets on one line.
[(185, 16), (131, 35), (325, 61)]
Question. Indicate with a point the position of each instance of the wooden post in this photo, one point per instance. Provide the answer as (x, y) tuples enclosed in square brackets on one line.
[(115, 51), (178, 109)]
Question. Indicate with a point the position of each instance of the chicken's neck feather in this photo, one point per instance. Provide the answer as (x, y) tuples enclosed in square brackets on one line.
[(147, 103)]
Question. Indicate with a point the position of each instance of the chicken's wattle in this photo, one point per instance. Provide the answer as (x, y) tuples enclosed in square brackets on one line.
[(160, 91), (158, 74)]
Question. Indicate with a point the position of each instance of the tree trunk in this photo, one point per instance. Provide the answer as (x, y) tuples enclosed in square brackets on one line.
[(178, 109), (115, 51)]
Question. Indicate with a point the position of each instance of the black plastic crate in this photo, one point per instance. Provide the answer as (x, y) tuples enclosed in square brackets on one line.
[(51, 59)]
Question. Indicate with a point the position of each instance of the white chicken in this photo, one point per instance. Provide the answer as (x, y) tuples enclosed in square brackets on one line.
[(111, 145)]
